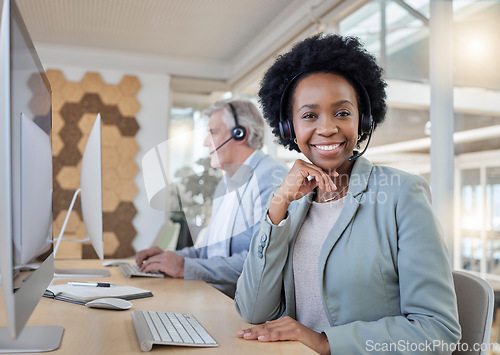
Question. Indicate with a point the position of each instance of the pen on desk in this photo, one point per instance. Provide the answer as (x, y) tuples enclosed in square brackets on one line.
[(91, 284)]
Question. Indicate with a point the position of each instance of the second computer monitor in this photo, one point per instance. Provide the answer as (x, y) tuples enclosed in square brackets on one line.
[(91, 196), (91, 188)]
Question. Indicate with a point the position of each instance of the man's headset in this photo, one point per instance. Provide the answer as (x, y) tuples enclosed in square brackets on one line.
[(238, 132), (366, 123)]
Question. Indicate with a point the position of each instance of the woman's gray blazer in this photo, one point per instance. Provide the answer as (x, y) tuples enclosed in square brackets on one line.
[(384, 274)]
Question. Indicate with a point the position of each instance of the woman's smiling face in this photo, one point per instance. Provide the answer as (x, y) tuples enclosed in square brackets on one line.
[(325, 120)]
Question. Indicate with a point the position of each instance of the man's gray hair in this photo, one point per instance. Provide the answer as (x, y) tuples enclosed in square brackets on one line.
[(248, 116)]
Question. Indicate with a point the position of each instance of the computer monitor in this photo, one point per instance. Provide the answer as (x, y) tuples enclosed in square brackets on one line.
[(91, 199), (91, 186), (91, 202), (25, 186)]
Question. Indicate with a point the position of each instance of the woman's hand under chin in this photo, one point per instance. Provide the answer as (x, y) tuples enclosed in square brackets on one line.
[(302, 178), (287, 328)]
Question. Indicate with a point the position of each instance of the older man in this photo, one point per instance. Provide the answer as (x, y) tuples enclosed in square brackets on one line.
[(235, 137)]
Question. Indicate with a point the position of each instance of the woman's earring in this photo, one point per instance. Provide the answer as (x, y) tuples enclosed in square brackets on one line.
[(358, 146), (295, 140)]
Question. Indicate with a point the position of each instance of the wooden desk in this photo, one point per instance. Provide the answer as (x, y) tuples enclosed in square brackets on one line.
[(97, 331)]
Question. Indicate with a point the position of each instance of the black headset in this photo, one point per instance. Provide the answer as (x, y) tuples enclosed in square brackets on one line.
[(238, 132), (366, 123)]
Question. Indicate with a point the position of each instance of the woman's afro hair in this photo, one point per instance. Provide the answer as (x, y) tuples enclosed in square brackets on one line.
[(344, 56)]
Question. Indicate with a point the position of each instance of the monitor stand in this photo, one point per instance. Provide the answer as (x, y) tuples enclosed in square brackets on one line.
[(68, 272), (75, 272), (81, 272), (32, 339)]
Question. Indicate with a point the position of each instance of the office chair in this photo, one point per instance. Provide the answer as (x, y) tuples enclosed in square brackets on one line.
[(475, 311)]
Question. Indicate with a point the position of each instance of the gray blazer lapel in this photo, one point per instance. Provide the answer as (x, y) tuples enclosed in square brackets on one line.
[(358, 183), (299, 213), (350, 207)]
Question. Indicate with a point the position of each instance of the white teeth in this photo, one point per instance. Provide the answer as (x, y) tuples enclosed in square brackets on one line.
[(327, 147)]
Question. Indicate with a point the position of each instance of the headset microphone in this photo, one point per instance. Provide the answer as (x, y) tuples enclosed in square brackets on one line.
[(220, 146)]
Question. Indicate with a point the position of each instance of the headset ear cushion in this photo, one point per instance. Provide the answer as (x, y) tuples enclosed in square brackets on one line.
[(239, 133), (366, 123), (285, 130)]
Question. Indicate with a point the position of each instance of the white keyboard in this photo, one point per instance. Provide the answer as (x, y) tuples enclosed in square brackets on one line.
[(166, 328), (129, 270)]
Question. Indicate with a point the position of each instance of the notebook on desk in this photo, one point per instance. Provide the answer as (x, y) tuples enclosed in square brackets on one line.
[(83, 294)]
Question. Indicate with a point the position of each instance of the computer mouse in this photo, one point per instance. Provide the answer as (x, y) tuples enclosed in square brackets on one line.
[(117, 304), (114, 262)]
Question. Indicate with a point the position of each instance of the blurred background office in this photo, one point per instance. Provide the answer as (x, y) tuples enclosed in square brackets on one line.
[(150, 67)]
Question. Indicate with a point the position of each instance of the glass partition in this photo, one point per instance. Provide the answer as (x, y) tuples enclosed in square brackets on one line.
[(477, 235)]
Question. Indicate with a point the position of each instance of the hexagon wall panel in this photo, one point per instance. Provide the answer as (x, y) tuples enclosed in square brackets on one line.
[(75, 106)]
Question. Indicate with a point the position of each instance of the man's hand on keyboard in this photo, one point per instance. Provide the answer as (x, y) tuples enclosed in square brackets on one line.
[(167, 262), (142, 255)]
